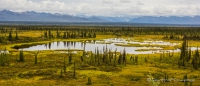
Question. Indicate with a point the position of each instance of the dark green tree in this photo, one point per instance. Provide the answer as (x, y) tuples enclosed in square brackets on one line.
[(36, 57), (94, 36), (185, 80), (120, 59), (124, 57), (89, 81), (65, 35), (195, 60), (74, 70), (184, 53), (58, 34), (61, 73), (21, 56), (64, 66), (70, 58), (16, 37), (49, 33), (10, 38)]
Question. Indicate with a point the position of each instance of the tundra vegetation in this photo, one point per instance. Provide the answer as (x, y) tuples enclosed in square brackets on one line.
[(99, 68)]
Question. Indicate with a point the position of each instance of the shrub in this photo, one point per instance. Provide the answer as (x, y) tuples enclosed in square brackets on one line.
[(89, 81)]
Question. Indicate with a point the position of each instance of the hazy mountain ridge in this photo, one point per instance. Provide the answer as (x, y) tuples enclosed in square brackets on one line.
[(6, 15), (167, 20)]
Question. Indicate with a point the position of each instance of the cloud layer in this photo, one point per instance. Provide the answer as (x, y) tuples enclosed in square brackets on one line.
[(107, 7)]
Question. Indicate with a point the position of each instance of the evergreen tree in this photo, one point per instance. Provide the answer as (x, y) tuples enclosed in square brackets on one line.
[(124, 57), (50, 34), (145, 59), (89, 81), (58, 34), (10, 36), (70, 58), (120, 59), (115, 58), (45, 34), (16, 37), (74, 70), (195, 60), (64, 66), (185, 82), (183, 55), (94, 36), (61, 73), (21, 56), (36, 55), (189, 55), (65, 35), (136, 60), (3, 59)]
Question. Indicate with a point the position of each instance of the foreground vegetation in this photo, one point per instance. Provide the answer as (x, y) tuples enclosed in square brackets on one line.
[(106, 68)]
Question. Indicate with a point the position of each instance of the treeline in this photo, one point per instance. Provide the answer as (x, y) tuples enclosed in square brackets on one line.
[(13, 33), (115, 30), (68, 34)]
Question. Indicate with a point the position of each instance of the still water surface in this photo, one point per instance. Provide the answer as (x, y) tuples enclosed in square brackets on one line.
[(91, 47)]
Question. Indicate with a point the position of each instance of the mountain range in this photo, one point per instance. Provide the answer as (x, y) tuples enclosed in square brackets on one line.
[(6, 15)]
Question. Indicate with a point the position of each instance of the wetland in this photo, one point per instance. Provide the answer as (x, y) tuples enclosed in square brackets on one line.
[(98, 55)]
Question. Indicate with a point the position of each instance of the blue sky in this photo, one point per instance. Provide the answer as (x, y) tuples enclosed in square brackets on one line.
[(107, 7)]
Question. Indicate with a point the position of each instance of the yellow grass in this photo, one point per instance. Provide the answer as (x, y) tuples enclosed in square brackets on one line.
[(130, 75)]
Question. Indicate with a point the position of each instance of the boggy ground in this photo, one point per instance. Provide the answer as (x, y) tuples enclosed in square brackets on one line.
[(47, 72)]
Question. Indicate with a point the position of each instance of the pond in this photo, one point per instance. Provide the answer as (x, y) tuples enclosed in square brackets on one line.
[(92, 45)]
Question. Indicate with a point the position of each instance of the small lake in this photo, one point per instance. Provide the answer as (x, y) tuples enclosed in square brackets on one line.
[(91, 45)]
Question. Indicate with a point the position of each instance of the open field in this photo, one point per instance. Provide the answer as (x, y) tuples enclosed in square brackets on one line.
[(100, 68)]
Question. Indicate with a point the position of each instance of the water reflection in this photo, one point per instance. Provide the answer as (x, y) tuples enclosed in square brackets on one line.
[(58, 43), (50, 45), (91, 47)]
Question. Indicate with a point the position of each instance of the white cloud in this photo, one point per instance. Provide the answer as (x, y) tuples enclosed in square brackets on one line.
[(139, 3), (125, 1), (107, 7), (108, 1)]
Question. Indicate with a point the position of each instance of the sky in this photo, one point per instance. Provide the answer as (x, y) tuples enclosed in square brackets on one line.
[(112, 8)]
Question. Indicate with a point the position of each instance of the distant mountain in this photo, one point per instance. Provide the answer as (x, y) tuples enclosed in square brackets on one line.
[(115, 19), (6, 15), (167, 20)]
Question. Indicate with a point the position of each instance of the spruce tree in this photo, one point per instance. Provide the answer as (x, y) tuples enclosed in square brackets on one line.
[(74, 70), (120, 59), (94, 36), (185, 82), (50, 34), (58, 34), (2, 59), (70, 58), (183, 55), (16, 37), (195, 60), (61, 73), (10, 36), (89, 81), (36, 55), (124, 57), (64, 66), (65, 35), (115, 58), (21, 56)]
